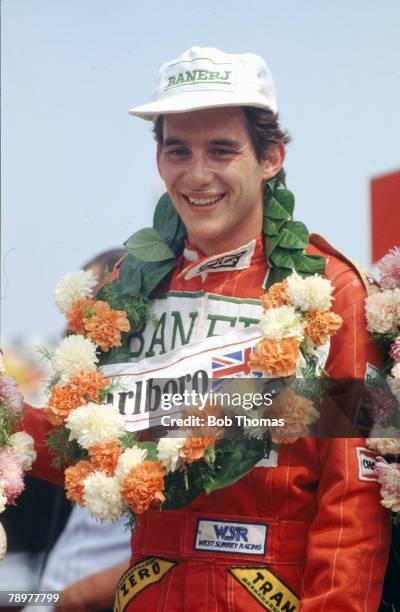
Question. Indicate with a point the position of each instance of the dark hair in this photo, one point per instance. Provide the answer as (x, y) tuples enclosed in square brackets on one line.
[(105, 259), (262, 125), (264, 130)]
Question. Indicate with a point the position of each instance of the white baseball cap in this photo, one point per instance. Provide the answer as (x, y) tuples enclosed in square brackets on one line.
[(203, 77)]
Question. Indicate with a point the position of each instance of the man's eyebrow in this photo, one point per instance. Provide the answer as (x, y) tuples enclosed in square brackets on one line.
[(172, 141), (226, 142)]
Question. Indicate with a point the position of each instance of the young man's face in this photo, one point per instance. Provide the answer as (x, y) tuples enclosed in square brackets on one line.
[(213, 177)]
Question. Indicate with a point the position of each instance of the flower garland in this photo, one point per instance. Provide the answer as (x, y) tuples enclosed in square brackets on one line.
[(111, 471), (383, 317), (17, 452)]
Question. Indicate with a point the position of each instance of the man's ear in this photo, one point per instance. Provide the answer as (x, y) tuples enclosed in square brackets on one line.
[(158, 154), (273, 161)]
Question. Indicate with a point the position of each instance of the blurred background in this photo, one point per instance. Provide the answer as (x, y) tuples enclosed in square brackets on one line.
[(79, 174)]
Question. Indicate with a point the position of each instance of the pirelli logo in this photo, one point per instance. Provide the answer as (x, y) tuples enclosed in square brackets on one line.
[(137, 578), (266, 588)]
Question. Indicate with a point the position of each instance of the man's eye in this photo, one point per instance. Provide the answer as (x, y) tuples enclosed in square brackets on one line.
[(222, 152), (178, 152)]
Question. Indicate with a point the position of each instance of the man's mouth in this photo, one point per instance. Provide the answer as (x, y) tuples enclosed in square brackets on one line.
[(210, 201)]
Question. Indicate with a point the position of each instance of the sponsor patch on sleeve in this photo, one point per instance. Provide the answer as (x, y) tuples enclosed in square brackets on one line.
[(137, 578), (231, 537), (266, 588), (366, 464)]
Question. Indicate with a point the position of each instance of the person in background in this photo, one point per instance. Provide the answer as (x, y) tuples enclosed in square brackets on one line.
[(54, 548)]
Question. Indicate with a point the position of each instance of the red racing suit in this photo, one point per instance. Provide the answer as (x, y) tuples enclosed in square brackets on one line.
[(317, 536)]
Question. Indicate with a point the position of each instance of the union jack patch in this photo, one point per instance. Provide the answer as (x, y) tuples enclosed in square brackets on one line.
[(233, 364)]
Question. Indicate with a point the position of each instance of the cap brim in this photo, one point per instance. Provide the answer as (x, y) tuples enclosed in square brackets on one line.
[(191, 101)]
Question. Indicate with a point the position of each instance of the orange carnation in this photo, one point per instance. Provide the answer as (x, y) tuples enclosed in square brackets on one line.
[(74, 477), (82, 388), (194, 448), (104, 327), (276, 296), (276, 358), (205, 431), (297, 411), (86, 386), (75, 315), (61, 402), (144, 486), (321, 325), (104, 457)]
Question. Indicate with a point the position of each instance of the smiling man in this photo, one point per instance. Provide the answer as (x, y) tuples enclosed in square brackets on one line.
[(313, 534), (304, 529), (208, 163)]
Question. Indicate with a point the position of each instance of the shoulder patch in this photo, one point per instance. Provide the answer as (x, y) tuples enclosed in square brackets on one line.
[(366, 464)]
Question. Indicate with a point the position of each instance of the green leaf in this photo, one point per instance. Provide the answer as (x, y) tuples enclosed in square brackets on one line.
[(182, 487), (130, 277), (119, 354), (148, 245), (270, 228), (165, 219), (235, 458), (311, 264), (294, 235), (275, 210), (271, 244), (177, 245), (285, 259), (151, 448), (276, 275), (153, 273), (285, 198)]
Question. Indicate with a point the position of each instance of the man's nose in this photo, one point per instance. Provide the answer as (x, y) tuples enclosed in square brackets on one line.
[(199, 172)]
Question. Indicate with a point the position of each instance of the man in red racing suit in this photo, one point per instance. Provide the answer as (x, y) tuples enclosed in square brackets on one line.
[(315, 535), (327, 533)]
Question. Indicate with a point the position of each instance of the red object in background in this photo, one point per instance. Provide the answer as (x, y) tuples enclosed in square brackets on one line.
[(385, 214)]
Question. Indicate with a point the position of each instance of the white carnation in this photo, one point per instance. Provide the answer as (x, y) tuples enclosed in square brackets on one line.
[(2, 367), (390, 500), (255, 430), (3, 498), (384, 440), (395, 371), (22, 444), (102, 496), (95, 423), (73, 355), (394, 383), (130, 458), (168, 451), (396, 305), (379, 309), (73, 287), (281, 322), (313, 292)]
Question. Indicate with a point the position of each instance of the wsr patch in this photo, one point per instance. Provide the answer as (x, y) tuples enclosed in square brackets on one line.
[(269, 591), (230, 536), (137, 578), (366, 464)]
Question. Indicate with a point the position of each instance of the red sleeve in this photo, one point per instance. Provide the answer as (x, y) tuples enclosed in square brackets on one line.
[(35, 424), (349, 539)]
